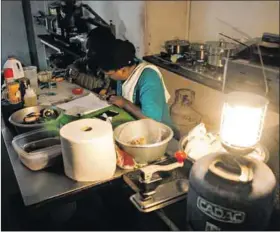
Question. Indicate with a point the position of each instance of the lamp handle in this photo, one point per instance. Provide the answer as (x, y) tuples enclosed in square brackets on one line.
[(245, 176)]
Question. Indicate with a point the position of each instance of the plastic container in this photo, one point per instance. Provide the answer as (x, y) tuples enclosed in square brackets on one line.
[(16, 66), (30, 98), (30, 72), (12, 93), (13, 90), (38, 149), (45, 76)]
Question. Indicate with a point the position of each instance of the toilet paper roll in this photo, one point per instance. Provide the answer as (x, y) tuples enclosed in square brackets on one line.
[(88, 150)]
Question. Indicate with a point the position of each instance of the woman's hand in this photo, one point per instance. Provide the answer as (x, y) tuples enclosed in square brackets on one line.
[(127, 106), (118, 101), (103, 92)]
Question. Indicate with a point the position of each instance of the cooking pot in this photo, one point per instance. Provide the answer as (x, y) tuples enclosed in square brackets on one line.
[(173, 47), (217, 51), (200, 51), (230, 192)]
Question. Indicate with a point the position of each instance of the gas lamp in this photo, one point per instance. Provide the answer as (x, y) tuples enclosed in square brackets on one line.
[(242, 121)]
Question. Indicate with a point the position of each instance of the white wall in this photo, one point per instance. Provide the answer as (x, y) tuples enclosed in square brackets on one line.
[(13, 32), (251, 17), (165, 20), (128, 18)]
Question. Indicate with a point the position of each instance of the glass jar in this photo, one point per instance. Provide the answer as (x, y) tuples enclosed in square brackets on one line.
[(30, 72), (183, 115)]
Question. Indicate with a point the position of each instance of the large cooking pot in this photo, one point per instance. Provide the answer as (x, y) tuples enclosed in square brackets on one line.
[(217, 51), (230, 192), (199, 51), (173, 47)]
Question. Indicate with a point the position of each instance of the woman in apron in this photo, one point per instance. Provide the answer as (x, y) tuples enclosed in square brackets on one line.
[(140, 87)]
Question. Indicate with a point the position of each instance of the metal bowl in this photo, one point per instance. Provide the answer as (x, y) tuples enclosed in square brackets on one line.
[(148, 153), (17, 117)]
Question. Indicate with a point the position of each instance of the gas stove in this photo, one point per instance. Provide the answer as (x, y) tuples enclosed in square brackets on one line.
[(201, 69)]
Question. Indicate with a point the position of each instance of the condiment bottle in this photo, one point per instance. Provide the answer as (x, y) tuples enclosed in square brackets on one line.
[(14, 96), (30, 98)]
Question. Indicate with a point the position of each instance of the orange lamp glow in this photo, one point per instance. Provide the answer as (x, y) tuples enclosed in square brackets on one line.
[(242, 119)]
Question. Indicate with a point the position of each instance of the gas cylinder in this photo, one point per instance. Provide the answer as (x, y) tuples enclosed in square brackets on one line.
[(183, 115)]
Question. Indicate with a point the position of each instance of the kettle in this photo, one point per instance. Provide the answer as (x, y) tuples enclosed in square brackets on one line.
[(16, 66)]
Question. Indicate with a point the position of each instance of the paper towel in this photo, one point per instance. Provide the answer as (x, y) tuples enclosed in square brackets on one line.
[(88, 150)]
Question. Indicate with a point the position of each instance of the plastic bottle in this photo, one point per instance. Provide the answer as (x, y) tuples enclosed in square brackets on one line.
[(13, 92), (30, 98), (16, 66), (8, 75)]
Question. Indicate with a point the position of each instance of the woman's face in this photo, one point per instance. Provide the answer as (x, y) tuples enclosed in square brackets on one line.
[(118, 75)]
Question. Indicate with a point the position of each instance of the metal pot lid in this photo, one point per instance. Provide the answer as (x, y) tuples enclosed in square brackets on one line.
[(198, 46), (177, 42), (220, 45)]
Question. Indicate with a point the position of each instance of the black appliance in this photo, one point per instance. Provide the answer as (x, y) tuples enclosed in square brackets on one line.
[(66, 19), (269, 46), (230, 192)]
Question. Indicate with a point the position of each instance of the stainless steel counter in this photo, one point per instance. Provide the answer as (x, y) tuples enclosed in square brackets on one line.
[(49, 184), (37, 187)]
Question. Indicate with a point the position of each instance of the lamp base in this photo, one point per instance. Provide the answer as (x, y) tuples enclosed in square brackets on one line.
[(258, 152), (238, 150)]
